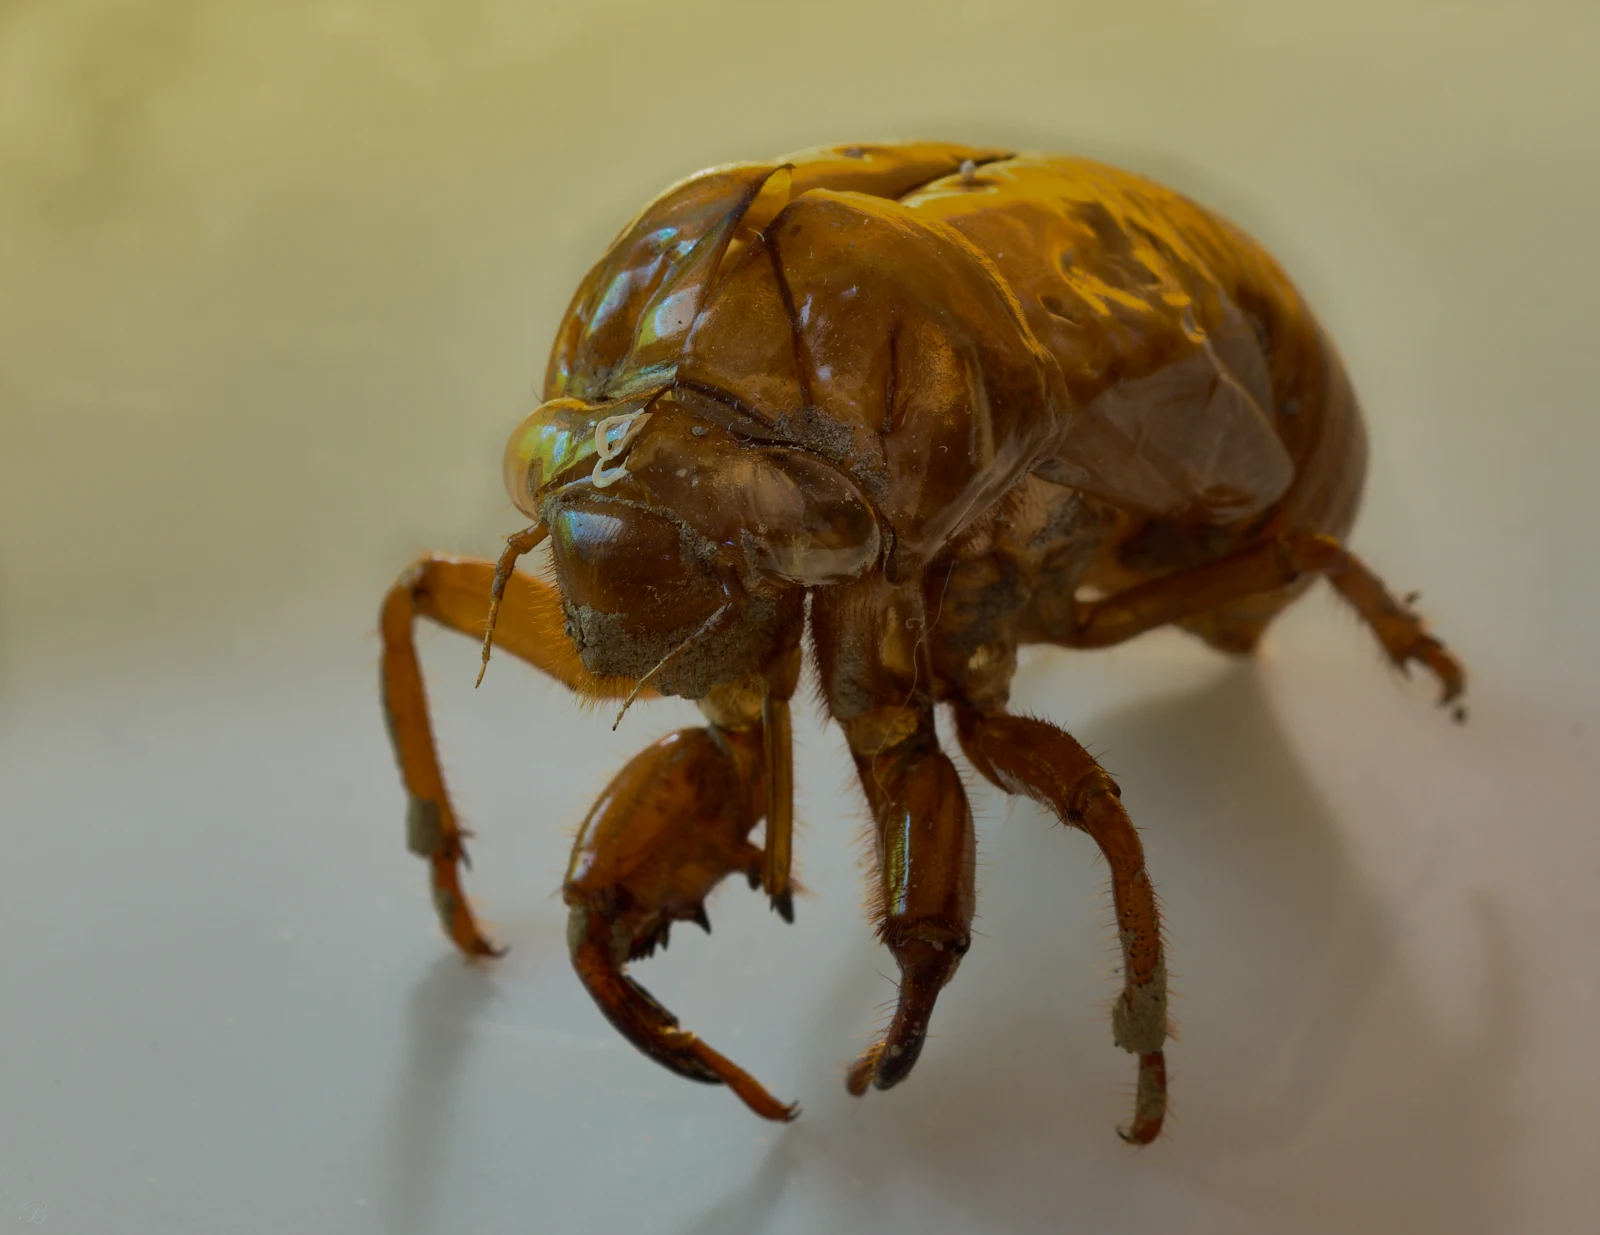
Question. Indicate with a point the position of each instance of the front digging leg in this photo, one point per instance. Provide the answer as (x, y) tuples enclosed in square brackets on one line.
[(667, 830)]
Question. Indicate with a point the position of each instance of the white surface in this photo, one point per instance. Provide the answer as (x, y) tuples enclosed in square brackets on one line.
[(277, 280)]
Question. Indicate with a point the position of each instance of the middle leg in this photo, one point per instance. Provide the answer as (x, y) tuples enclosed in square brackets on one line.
[(875, 674), (923, 839)]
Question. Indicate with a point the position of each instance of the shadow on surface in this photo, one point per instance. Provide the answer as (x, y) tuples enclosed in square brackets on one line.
[(751, 1205), (443, 1007)]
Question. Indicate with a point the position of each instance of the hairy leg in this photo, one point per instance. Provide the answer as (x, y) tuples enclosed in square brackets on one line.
[(873, 658), (1046, 764), (455, 593), (923, 841)]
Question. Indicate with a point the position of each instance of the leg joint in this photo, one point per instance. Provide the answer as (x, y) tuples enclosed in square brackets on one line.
[(1090, 786), (414, 578), (1307, 553), (893, 729)]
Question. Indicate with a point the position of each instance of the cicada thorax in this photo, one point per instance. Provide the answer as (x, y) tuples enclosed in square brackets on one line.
[(881, 342), (628, 320), (814, 312)]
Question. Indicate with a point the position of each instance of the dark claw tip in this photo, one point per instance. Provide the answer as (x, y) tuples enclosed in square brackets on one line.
[(783, 902), (701, 920)]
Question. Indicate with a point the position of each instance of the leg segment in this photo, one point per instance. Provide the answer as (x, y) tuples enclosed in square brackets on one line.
[(760, 706), (779, 737), (1265, 568), (455, 593), (872, 653), (924, 843), (668, 829), (1037, 759)]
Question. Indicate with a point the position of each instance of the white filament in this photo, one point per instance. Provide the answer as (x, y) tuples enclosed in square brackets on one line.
[(602, 477)]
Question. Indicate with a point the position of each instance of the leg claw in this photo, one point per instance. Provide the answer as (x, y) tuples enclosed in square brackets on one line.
[(1150, 1106), (1432, 655), (636, 1014)]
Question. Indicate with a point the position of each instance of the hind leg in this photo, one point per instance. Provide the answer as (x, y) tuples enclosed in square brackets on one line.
[(1230, 601), (1237, 628)]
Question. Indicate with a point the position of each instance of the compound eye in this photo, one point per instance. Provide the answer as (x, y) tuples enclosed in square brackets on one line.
[(621, 559)]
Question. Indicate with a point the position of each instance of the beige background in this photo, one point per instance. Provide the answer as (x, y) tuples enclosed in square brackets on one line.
[(275, 282)]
